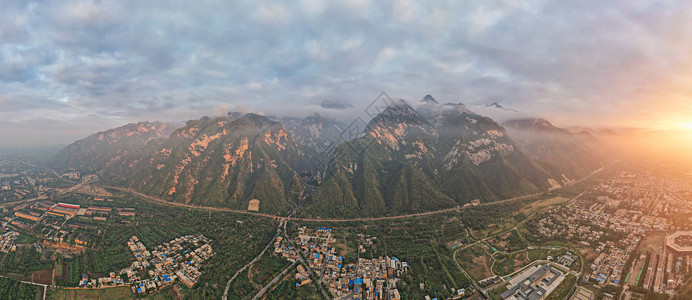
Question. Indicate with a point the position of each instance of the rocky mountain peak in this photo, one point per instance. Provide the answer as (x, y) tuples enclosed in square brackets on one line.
[(531, 124), (429, 99), (259, 121)]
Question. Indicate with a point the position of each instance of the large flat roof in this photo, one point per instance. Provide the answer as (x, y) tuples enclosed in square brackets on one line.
[(671, 241)]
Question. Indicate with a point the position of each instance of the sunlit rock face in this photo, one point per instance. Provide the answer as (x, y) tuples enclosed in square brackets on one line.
[(405, 159)]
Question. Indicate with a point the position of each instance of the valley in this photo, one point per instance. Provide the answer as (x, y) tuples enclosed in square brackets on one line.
[(495, 236), (405, 161), (376, 222), (346, 150)]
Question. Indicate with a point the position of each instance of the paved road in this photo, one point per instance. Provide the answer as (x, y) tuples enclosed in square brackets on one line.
[(40, 167), (45, 287), (458, 208), (221, 209), (228, 284), (159, 200), (475, 284), (22, 201), (272, 282), (305, 264), (502, 281)]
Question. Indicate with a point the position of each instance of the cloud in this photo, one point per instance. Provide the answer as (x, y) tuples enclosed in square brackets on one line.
[(272, 14), (128, 60), (330, 104), (243, 108), (221, 109)]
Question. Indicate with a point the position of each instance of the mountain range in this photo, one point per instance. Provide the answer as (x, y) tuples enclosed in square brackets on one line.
[(404, 160), (572, 155)]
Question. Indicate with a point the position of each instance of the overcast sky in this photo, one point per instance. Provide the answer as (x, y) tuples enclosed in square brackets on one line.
[(71, 68)]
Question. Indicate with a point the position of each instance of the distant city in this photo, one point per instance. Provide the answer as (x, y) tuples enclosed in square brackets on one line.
[(347, 150)]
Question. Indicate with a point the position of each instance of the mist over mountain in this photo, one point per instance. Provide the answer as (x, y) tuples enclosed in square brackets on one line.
[(499, 106), (103, 149), (404, 159), (568, 155)]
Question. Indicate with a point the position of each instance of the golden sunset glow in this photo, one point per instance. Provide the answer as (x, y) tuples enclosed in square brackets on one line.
[(673, 122), (686, 125)]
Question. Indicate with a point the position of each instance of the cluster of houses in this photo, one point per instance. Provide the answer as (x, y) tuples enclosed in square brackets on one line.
[(630, 205), (7, 241), (284, 251), (365, 279), (18, 188), (609, 266), (177, 260)]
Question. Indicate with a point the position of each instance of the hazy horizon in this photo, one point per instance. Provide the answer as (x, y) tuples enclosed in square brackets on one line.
[(72, 68)]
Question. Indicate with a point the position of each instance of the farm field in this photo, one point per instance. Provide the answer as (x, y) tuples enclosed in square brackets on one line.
[(476, 262), (15, 289), (89, 294)]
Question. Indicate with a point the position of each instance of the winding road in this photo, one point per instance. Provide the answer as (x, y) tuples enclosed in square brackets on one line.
[(285, 219), (441, 211), (228, 284), (502, 278), (221, 209)]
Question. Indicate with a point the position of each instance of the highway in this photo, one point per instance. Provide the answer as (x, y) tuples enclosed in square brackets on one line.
[(284, 220), (5, 204), (441, 211), (221, 209)]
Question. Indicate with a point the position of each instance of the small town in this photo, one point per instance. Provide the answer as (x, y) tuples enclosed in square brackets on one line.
[(652, 247), (365, 279), (179, 259)]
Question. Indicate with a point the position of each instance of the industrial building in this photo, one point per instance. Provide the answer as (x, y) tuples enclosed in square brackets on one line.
[(68, 205), (81, 239), (64, 209), (82, 226), (126, 212), (583, 294), (534, 286), (27, 216), (56, 214), (100, 208)]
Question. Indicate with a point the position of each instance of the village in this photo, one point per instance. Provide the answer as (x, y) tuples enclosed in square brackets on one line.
[(72, 227), (177, 260), (364, 279)]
